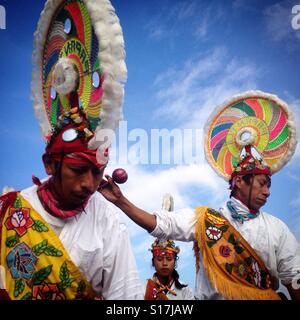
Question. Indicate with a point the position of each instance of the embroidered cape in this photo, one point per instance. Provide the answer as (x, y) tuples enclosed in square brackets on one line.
[(37, 266), (233, 267)]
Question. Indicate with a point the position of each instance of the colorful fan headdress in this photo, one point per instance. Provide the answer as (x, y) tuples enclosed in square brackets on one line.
[(164, 248), (253, 132), (79, 75)]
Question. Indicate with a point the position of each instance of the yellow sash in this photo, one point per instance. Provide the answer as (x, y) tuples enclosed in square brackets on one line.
[(36, 264), (233, 267)]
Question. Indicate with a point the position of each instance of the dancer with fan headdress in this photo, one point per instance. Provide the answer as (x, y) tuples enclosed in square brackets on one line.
[(59, 239), (241, 251)]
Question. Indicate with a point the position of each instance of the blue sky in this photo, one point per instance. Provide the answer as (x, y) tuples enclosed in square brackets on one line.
[(184, 58)]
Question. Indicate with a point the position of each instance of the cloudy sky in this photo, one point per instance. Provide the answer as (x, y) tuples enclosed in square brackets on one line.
[(184, 58)]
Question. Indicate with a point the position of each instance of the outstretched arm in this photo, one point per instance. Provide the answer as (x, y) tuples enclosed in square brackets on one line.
[(112, 193)]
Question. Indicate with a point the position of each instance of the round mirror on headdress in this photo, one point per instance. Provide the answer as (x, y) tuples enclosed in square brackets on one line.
[(255, 119), (79, 62)]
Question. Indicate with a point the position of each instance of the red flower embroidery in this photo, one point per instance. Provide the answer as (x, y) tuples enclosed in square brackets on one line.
[(225, 251), (19, 220), (47, 291)]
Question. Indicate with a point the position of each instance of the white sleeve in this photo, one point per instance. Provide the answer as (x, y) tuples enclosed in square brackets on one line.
[(178, 225), (188, 294), (288, 255), (120, 277)]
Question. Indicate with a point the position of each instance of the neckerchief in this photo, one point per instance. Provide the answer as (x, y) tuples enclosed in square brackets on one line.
[(50, 203), (155, 290), (240, 212), (37, 266), (232, 266)]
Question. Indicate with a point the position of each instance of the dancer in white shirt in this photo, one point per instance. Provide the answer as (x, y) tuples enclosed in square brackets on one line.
[(241, 251)]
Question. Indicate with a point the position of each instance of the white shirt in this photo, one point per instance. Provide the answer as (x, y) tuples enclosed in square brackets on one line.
[(267, 235), (185, 293), (99, 245)]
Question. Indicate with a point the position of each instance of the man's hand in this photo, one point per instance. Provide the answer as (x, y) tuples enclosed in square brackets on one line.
[(110, 190)]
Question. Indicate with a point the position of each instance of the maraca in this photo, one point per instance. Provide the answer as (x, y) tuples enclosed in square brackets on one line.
[(119, 176)]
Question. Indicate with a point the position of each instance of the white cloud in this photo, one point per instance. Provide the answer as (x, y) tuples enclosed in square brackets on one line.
[(278, 19), (295, 226), (194, 15), (208, 18), (200, 85), (244, 5)]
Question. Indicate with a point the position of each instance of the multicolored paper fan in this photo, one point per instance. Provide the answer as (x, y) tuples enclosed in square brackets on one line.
[(251, 118), (79, 54)]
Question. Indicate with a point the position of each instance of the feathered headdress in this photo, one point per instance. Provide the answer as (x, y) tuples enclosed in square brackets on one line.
[(253, 132), (79, 75)]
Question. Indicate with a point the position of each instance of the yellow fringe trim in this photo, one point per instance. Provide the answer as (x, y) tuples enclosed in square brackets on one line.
[(218, 278)]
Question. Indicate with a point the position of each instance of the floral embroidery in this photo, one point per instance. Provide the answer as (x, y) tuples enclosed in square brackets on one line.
[(223, 251), (47, 291), (230, 253), (39, 267), (21, 262), (241, 269), (19, 220)]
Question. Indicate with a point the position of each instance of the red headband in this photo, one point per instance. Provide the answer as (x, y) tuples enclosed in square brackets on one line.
[(75, 151), (163, 253)]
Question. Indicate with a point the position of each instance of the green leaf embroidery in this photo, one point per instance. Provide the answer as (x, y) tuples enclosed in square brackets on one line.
[(208, 224), (41, 275), (65, 284), (40, 247), (81, 287), (231, 239), (64, 275), (210, 243), (12, 241), (18, 203), (228, 267), (224, 228), (238, 249), (19, 287), (248, 278), (52, 251), (39, 226), (27, 296), (248, 260)]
